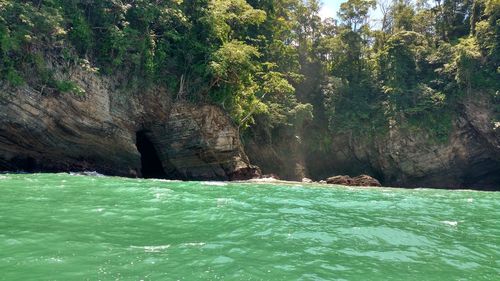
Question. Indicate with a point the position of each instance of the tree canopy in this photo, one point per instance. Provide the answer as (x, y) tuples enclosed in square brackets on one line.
[(274, 62)]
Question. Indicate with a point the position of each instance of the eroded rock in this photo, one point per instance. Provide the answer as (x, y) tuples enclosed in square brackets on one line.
[(362, 180), (340, 180), (98, 132), (469, 157), (365, 180)]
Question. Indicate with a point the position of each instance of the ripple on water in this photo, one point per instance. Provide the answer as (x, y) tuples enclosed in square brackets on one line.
[(222, 260), (391, 236), (393, 256), (315, 237), (193, 244), (151, 249)]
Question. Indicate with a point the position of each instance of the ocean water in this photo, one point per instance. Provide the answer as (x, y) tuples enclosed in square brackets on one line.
[(69, 227)]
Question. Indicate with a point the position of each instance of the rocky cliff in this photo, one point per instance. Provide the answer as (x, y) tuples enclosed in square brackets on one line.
[(122, 132), (117, 132), (470, 158)]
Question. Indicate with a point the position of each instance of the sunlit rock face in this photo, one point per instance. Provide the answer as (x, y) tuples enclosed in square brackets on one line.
[(200, 142), (98, 131)]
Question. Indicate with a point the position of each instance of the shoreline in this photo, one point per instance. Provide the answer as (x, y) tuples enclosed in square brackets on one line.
[(250, 181)]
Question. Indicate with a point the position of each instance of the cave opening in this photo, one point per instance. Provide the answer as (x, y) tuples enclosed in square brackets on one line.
[(151, 165), (24, 164)]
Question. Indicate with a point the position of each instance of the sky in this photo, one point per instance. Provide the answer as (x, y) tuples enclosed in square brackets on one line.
[(331, 7)]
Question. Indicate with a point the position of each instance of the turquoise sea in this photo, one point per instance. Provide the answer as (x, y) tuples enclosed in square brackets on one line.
[(72, 227)]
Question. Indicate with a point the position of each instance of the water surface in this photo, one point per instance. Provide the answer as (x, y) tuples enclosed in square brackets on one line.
[(64, 227)]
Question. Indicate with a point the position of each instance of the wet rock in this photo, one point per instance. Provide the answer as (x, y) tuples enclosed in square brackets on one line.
[(245, 173), (362, 180), (340, 180), (200, 142)]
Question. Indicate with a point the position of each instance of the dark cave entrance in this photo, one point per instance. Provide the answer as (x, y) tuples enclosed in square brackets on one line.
[(24, 164), (151, 166)]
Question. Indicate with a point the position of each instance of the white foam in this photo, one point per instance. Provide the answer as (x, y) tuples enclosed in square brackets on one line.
[(152, 249), (450, 223), (264, 180), (164, 180), (223, 201), (193, 244), (86, 173), (55, 260), (215, 183)]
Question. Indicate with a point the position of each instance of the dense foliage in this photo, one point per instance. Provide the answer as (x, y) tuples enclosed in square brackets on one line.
[(274, 62)]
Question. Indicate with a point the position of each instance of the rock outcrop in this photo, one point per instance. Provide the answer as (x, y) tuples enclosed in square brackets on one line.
[(98, 132), (365, 180), (340, 180), (362, 180), (200, 142), (470, 158)]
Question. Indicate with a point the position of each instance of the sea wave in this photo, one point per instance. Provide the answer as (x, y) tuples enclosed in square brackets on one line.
[(214, 183), (86, 173)]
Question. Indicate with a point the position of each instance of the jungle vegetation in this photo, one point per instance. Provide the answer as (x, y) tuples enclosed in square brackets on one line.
[(275, 64)]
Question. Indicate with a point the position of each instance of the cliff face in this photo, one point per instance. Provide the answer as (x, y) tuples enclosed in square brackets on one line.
[(116, 132), (100, 131), (469, 159)]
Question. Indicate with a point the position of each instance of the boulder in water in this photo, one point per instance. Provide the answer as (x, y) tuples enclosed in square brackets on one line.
[(365, 180), (340, 180), (362, 180)]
